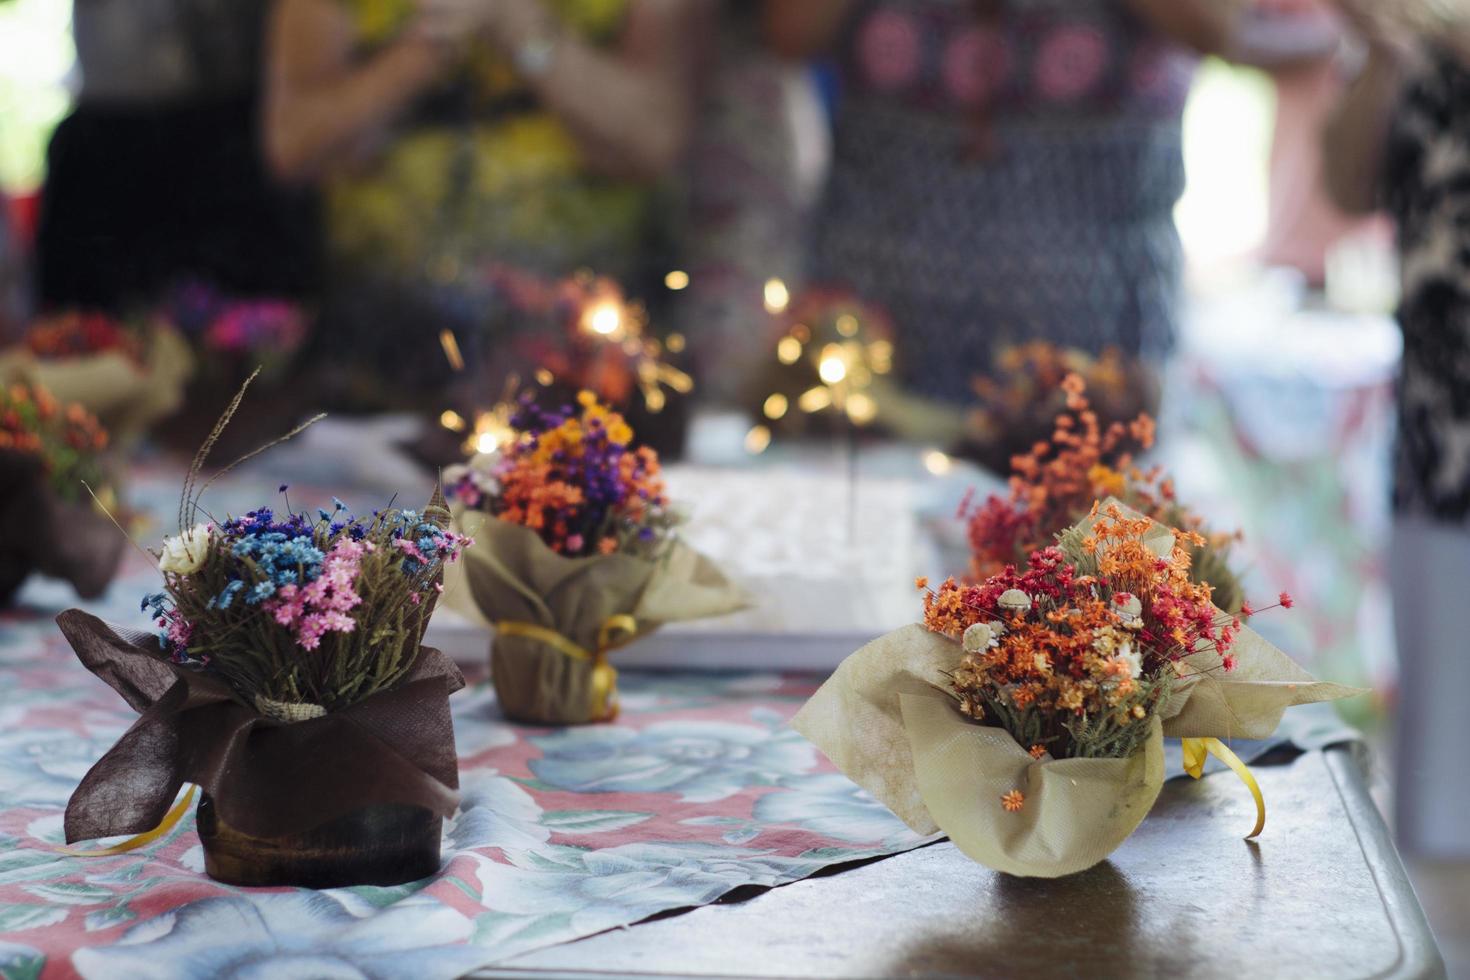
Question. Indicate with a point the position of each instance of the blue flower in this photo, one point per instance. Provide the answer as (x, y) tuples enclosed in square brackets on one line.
[(261, 592), (226, 595)]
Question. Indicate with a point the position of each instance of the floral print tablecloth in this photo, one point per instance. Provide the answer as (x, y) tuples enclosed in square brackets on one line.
[(697, 789)]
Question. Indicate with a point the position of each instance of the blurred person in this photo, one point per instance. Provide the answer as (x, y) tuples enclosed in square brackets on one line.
[(455, 137), (155, 177), (758, 153), (1401, 138), (1006, 170), (1302, 221), (14, 300)]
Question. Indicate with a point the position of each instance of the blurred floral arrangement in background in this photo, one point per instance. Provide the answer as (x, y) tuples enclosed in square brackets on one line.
[(1021, 397), (75, 333), (1055, 484), (233, 339), (266, 332), (577, 556), (50, 454), (564, 336), (129, 372), (64, 440), (572, 476), (832, 349)]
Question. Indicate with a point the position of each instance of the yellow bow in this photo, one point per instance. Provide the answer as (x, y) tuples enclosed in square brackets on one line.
[(616, 631), (1195, 750), (170, 819)]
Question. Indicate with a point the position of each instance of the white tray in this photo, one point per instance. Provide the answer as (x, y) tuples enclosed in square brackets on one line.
[(676, 648)]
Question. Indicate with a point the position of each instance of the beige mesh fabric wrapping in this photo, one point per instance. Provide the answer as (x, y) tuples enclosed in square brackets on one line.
[(510, 575), (1075, 812), (1246, 702), (125, 396), (885, 718), (856, 720)]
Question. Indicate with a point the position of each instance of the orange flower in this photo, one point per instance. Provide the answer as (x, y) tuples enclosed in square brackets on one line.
[(1013, 801)]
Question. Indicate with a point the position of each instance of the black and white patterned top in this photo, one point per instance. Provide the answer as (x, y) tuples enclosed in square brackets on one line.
[(1006, 172), (1427, 186)]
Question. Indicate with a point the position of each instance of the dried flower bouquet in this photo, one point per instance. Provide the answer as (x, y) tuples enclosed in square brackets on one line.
[(1025, 718), (50, 453), (577, 555), (288, 681)]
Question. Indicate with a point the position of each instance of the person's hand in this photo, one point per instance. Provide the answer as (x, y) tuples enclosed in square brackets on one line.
[(507, 23)]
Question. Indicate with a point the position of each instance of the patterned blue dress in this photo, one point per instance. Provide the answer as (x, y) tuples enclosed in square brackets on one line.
[(1004, 172)]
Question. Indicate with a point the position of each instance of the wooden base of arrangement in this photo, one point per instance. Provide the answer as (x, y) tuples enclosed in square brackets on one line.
[(387, 844)]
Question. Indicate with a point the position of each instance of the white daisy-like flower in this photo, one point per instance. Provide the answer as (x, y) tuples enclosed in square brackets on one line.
[(186, 552), (1014, 600), (1130, 654), (979, 637), (1130, 609)]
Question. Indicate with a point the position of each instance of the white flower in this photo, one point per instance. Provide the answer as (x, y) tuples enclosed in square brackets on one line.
[(1130, 610), (1015, 600), (978, 637), (1128, 654), (186, 553)]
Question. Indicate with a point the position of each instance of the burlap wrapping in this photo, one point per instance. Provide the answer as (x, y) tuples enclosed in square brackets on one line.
[(126, 396), (267, 778), (510, 575), (885, 718), (40, 533)]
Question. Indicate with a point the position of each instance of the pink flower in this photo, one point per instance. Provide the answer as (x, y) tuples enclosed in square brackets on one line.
[(322, 606)]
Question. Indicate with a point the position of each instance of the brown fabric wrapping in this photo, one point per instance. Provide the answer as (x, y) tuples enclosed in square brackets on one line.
[(510, 575), (124, 395), (40, 533), (267, 779)]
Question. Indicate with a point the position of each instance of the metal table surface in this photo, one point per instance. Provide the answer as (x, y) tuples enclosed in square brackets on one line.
[(1321, 894)]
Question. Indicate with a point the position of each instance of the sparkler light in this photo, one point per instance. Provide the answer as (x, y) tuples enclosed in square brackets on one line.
[(776, 296), (845, 345)]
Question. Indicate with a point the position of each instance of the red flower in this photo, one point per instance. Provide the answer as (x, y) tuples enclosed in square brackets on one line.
[(1286, 600)]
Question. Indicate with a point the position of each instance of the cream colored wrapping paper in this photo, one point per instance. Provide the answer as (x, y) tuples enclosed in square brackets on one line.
[(1247, 702), (856, 720), (510, 575), (886, 719), (1075, 812), (125, 396)]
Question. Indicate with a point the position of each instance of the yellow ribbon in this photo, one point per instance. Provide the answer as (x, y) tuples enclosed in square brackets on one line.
[(1195, 750), (615, 631), (170, 820)]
